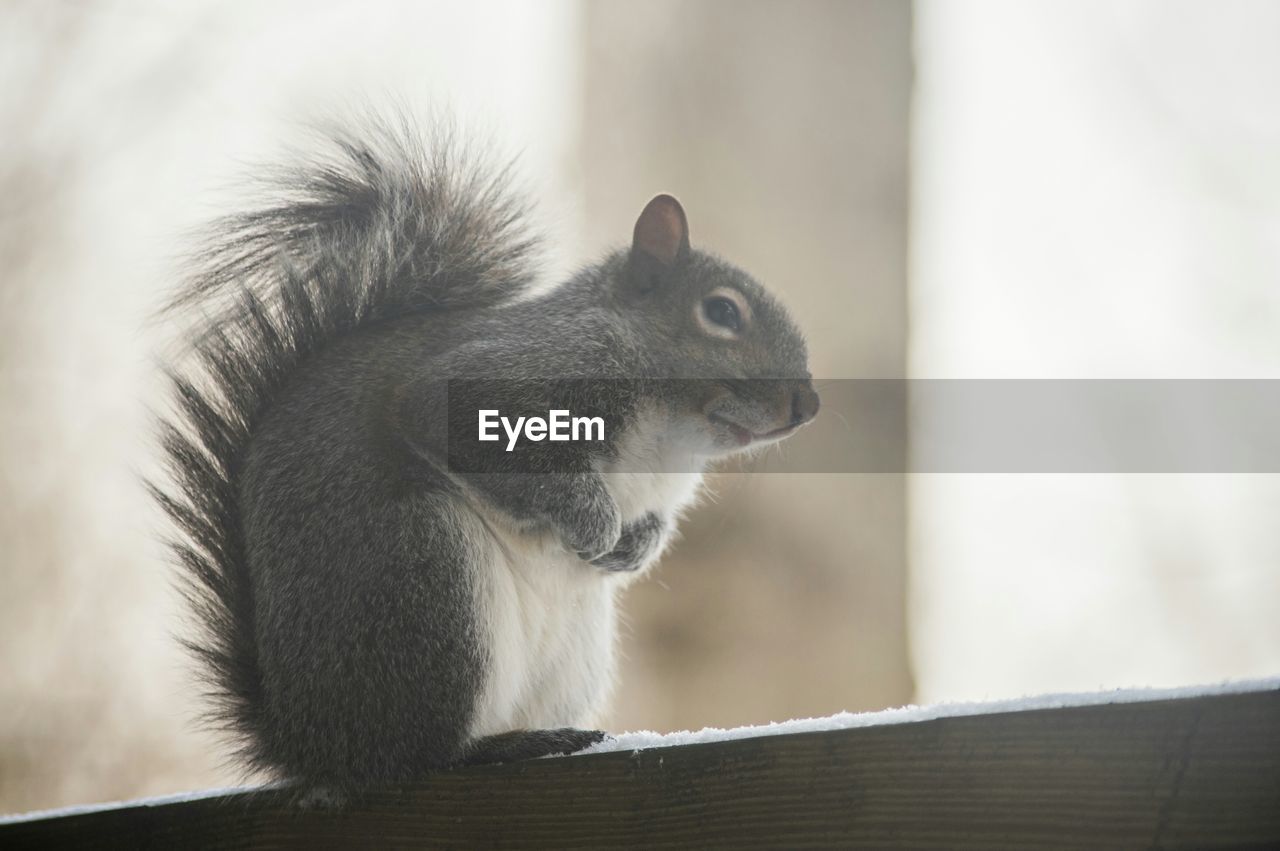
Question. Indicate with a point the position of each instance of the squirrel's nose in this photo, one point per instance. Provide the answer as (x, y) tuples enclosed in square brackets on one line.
[(804, 405)]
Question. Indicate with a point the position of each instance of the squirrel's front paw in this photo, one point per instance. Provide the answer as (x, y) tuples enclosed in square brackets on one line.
[(640, 543), (593, 534)]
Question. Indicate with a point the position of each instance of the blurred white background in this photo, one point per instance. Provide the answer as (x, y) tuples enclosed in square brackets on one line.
[(1092, 192), (1096, 194)]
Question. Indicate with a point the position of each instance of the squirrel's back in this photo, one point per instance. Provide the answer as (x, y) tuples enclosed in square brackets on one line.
[(372, 228)]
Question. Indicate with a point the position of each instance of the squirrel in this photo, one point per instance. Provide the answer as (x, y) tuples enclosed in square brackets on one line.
[(370, 608)]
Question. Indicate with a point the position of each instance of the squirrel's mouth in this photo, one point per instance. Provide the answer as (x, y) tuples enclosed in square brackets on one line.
[(746, 437)]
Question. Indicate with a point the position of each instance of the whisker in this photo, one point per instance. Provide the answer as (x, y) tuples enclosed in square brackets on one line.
[(848, 427)]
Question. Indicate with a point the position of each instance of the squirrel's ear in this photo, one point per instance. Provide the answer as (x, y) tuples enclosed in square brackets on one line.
[(662, 231)]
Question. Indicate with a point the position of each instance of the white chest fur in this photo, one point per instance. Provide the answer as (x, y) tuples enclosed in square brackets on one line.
[(650, 472), (549, 622), (547, 616)]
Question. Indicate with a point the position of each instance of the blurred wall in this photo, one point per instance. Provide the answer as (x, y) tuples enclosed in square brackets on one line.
[(783, 129)]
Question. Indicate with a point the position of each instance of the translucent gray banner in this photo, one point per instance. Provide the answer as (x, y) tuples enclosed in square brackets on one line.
[(1095, 426), (935, 426)]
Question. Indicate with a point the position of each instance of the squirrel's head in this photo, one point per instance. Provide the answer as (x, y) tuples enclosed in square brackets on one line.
[(739, 364)]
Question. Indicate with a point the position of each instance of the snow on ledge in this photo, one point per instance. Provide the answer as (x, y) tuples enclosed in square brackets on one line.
[(644, 739)]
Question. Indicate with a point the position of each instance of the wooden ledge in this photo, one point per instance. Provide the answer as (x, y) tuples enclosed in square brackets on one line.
[(1186, 772)]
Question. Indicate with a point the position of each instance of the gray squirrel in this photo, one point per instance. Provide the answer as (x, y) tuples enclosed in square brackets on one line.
[(373, 605)]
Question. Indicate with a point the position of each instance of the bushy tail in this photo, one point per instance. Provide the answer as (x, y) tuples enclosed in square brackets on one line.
[(372, 229)]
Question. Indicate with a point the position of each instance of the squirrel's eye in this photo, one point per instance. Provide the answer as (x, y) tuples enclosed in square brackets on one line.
[(723, 312)]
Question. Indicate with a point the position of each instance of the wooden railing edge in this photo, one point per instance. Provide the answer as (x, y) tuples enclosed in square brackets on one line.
[(1198, 771)]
